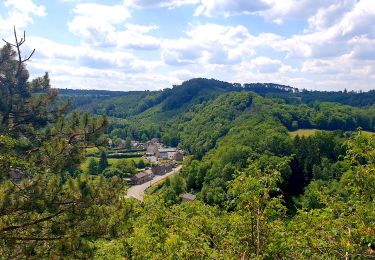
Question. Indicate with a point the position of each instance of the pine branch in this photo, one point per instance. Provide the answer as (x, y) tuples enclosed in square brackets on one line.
[(11, 228), (31, 238)]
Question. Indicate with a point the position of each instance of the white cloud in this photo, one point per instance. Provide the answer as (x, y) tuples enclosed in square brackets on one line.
[(181, 52), (87, 57), (104, 26), (340, 72), (354, 30), (160, 3), (109, 14), (359, 21), (94, 23), (327, 17), (184, 74), (317, 44), (26, 6), (295, 9), (210, 44), (84, 67), (327, 67), (320, 13), (334, 50), (84, 78), (267, 65), (363, 48), (20, 14), (135, 37), (230, 7)]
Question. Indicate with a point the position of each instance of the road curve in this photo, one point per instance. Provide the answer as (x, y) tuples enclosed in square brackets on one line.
[(137, 191)]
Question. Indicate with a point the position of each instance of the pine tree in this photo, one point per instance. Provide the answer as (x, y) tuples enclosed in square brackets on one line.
[(141, 164), (93, 167), (103, 162), (44, 211), (128, 144)]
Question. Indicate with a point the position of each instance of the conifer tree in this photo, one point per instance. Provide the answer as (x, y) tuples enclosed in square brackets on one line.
[(44, 211), (103, 162), (93, 167)]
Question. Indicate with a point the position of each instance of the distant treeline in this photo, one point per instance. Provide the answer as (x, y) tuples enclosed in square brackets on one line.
[(134, 102)]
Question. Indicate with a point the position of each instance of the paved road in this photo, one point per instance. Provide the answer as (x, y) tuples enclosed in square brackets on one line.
[(137, 191)]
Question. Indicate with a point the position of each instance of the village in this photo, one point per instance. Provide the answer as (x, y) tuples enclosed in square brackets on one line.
[(163, 160), (142, 164)]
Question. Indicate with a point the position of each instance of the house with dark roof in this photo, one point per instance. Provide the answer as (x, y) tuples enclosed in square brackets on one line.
[(188, 197), (178, 156), (162, 168), (142, 177)]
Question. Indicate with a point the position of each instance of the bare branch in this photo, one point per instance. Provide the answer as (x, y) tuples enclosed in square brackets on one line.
[(29, 56), (18, 43), (23, 39), (11, 44)]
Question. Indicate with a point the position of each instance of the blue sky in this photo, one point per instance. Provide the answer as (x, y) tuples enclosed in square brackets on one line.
[(153, 44)]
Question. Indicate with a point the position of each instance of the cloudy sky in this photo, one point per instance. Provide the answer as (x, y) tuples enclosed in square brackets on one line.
[(152, 44)]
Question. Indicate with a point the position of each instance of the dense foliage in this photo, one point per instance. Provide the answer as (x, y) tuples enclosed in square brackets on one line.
[(261, 193), (253, 223), (125, 104), (47, 207)]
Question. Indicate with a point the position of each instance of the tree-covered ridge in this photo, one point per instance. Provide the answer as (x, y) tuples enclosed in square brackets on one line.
[(124, 104), (167, 113), (217, 116), (212, 119)]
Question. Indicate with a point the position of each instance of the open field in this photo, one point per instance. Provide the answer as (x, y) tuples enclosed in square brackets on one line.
[(368, 133), (92, 150), (308, 132), (303, 132), (111, 161)]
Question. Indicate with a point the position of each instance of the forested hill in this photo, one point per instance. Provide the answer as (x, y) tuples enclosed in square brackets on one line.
[(277, 173), (246, 165), (123, 104), (166, 113), (200, 111)]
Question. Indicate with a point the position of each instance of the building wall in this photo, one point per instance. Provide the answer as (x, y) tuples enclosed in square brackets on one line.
[(141, 180), (163, 155), (142, 177), (178, 156), (152, 149), (161, 169), (157, 169)]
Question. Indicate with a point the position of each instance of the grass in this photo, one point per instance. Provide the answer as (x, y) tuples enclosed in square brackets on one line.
[(92, 150), (308, 132), (155, 187), (303, 132), (368, 133), (114, 161), (111, 161)]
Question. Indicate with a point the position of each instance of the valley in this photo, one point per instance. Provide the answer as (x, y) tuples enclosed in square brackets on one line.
[(263, 170), (187, 129)]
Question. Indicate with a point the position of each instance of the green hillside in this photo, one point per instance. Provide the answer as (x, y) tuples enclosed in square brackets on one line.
[(261, 193), (124, 104), (226, 126), (165, 113)]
